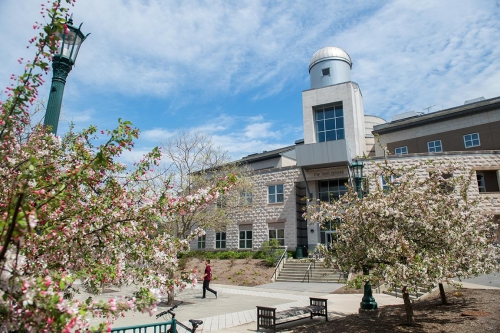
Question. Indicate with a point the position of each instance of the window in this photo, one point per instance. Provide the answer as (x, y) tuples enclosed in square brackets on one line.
[(222, 201), (401, 150), (434, 146), (246, 198), (471, 140), (202, 241), (220, 240), (330, 123), (275, 193), (480, 182), (278, 234), (487, 181), (245, 239), (328, 232), (325, 71), (331, 189), (392, 180)]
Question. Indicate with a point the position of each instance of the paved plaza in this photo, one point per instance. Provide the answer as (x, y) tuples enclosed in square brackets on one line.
[(235, 308)]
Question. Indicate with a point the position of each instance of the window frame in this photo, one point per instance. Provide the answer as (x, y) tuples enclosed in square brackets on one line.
[(471, 140), (433, 149), (340, 185), (246, 198), (202, 242), (385, 186), (247, 241), (220, 243), (329, 124), (401, 152), (276, 194), (277, 235)]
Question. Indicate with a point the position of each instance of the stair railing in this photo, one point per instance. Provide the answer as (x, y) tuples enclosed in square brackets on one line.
[(280, 264), (308, 273)]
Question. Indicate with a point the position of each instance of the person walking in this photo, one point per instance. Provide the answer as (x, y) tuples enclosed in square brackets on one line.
[(206, 279)]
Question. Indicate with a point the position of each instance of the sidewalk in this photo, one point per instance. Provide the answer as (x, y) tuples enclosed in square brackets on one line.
[(235, 308)]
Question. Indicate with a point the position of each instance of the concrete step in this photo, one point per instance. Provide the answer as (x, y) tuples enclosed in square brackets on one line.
[(312, 280)]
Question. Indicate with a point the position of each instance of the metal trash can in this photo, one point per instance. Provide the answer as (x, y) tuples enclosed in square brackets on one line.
[(298, 252)]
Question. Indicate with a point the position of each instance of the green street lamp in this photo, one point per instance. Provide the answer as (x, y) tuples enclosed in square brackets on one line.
[(62, 63), (357, 170), (368, 306)]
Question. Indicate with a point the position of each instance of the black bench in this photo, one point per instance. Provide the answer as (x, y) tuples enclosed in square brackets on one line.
[(267, 317)]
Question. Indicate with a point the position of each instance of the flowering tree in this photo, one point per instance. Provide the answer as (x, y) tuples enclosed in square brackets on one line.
[(192, 162), (421, 228), (69, 210)]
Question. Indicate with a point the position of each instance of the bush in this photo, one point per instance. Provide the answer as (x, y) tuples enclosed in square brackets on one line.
[(227, 255), (244, 255), (272, 252), (258, 255)]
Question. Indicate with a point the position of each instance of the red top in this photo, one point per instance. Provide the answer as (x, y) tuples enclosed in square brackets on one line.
[(208, 272)]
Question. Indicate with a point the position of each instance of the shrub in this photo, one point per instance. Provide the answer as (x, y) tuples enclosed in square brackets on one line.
[(271, 251), (258, 255)]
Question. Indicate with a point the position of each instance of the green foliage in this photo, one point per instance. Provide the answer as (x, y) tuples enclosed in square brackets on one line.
[(356, 283), (272, 252)]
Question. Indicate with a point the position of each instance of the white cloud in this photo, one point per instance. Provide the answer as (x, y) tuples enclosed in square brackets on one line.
[(260, 130), (156, 134), (407, 55)]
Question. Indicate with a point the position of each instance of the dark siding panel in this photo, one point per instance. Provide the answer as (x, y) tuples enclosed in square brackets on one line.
[(489, 136)]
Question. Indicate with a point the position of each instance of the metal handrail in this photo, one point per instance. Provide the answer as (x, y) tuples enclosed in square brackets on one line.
[(274, 276), (308, 273)]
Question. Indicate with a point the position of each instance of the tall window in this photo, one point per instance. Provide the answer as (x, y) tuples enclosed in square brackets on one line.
[(434, 146), (330, 123), (245, 239), (331, 189), (246, 198), (471, 140), (328, 232), (401, 150), (222, 201), (275, 193), (480, 182), (278, 234), (202, 241), (220, 240)]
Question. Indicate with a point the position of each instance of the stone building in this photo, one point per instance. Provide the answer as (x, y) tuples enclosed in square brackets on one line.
[(336, 132)]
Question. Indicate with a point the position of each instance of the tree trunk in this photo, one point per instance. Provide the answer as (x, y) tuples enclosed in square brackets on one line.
[(171, 294), (408, 307), (442, 294)]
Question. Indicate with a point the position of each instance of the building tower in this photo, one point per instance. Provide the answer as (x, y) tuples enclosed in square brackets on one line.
[(334, 132), (332, 111)]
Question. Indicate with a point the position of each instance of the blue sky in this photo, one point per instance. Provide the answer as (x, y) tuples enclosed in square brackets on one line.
[(235, 70)]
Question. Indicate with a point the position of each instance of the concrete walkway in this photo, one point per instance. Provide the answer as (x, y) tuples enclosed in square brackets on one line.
[(235, 308)]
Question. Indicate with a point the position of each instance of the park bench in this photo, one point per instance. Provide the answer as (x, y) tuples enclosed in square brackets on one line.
[(269, 318)]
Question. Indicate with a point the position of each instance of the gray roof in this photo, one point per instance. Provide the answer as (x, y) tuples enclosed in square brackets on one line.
[(438, 116), (287, 151)]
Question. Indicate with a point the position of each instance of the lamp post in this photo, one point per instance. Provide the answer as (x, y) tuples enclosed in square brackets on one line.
[(368, 306), (62, 63), (357, 170)]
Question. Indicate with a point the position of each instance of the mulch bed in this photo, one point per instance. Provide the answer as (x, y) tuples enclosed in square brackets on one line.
[(469, 310)]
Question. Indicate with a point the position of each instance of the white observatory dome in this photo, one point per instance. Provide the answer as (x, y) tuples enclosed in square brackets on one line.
[(329, 52), (329, 65)]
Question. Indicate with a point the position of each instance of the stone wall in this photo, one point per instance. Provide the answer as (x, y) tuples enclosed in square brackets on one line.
[(261, 213), (472, 160)]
